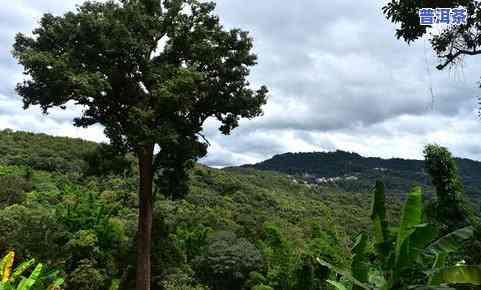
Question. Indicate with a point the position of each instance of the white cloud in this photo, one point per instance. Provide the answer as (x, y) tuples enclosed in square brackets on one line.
[(338, 80)]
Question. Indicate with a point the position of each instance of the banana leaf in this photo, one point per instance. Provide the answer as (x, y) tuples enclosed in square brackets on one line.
[(337, 285), (470, 275), (6, 267), (451, 242), (414, 244), (348, 276), (359, 265), (411, 217), (115, 284), (56, 284), (378, 217), (440, 260), (22, 283), (22, 268), (32, 279), (432, 287)]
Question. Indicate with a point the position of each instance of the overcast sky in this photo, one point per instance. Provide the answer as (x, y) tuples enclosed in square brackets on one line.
[(337, 76)]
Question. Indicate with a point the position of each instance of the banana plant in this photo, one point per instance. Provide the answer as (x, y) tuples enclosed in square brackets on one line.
[(14, 279), (411, 244)]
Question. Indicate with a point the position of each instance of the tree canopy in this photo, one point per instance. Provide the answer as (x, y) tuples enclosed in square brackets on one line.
[(108, 57)]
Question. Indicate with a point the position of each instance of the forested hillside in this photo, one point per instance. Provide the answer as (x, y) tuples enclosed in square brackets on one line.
[(44, 152), (236, 228), (353, 171)]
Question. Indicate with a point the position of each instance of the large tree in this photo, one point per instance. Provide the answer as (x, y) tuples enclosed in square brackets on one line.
[(151, 73), (450, 43)]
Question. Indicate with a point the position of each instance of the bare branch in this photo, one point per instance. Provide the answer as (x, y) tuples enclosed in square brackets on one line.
[(452, 57)]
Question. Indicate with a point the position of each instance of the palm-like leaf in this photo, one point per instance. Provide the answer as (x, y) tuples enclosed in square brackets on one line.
[(451, 242), (115, 284), (56, 284), (359, 265), (382, 240), (6, 267), (411, 217), (457, 275), (28, 283), (348, 276), (415, 244), (22, 268), (337, 285)]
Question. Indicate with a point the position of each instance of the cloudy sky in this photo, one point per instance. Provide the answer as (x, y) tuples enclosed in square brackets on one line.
[(337, 76)]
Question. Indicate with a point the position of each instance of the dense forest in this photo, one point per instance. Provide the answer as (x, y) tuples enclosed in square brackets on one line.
[(237, 228)]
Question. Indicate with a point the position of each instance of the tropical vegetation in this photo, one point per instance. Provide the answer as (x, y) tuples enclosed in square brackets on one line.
[(237, 228)]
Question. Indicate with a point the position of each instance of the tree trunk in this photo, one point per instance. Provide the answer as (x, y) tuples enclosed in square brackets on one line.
[(144, 235)]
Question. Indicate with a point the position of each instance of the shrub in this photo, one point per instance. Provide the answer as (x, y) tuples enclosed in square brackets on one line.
[(228, 261)]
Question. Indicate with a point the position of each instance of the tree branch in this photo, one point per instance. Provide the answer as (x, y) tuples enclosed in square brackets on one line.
[(452, 57)]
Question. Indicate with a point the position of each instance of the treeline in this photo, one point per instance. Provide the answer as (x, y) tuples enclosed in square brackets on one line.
[(61, 154), (398, 174)]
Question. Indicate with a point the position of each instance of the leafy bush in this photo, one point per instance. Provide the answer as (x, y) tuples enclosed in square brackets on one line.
[(29, 230), (228, 261), (181, 281), (88, 276), (12, 189)]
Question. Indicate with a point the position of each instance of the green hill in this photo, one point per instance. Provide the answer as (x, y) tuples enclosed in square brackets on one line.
[(44, 152), (351, 171)]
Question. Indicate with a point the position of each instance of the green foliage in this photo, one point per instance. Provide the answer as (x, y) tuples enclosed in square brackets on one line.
[(397, 257), (448, 210), (378, 217), (29, 151), (93, 223), (162, 99), (88, 276), (451, 242), (359, 265), (29, 230), (338, 285), (181, 281), (13, 188), (44, 152), (23, 277), (467, 275), (262, 287), (228, 260), (86, 232), (281, 257), (104, 160), (276, 227), (192, 242)]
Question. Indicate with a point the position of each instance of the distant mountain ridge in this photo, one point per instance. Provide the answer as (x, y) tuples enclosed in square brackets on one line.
[(398, 173)]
